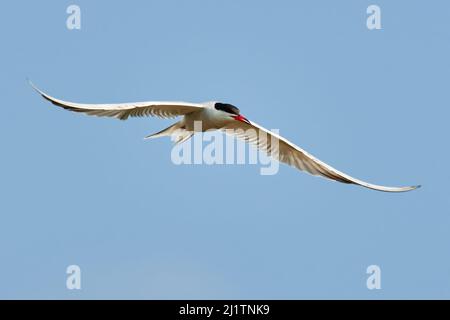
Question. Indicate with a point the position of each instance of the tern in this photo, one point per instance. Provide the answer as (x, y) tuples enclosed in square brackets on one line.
[(219, 116)]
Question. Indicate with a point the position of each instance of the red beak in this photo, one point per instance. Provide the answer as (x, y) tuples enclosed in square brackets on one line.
[(241, 118)]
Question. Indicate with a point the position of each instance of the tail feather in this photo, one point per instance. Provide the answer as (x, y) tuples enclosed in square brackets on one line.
[(176, 129), (182, 137), (165, 132)]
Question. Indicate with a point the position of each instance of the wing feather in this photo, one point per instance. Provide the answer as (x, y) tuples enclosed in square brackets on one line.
[(123, 111), (291, 154)]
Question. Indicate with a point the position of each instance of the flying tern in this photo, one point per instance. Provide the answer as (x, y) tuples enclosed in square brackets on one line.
[(224, 117)]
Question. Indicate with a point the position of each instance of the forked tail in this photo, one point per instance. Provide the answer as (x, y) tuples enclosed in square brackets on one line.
[(177, 129)]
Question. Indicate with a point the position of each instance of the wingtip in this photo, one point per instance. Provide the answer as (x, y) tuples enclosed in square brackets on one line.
[(411, 188), (30, 82), (34, 87), (391, 189)]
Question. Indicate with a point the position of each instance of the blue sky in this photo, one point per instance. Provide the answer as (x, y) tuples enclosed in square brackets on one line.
[(89, 191)]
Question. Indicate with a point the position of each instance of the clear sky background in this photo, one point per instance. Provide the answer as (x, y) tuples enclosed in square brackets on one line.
[(91, 192)]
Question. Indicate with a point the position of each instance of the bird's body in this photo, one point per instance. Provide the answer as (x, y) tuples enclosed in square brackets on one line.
[(209, 117), (219, 116)]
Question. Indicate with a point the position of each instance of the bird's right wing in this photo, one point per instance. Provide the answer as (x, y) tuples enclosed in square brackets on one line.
[(124, 110), (285, 151)]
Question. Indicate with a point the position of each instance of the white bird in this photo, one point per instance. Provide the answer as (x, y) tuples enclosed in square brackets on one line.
[(219, 116)]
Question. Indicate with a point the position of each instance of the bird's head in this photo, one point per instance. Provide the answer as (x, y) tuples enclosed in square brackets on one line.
[(231, 111)]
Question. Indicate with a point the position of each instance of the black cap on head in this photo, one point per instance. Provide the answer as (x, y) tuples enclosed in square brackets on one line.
[(229, 108)]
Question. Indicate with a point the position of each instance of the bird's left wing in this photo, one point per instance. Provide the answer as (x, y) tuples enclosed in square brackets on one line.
[(124, 110), (285, 151)]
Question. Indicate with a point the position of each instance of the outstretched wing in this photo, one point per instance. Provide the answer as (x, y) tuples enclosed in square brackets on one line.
[(122, 111), (291, 154)]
